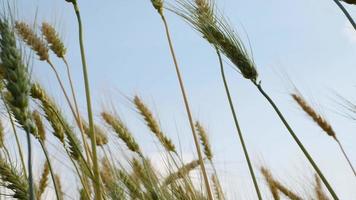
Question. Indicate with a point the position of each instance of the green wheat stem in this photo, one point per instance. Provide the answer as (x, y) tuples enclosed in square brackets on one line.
[(345, 155), (50, 168), (97, 188), (80, 123), (16, 136), (233, 111), (29, 163), (296, 139), (185, 98), (348, 16), (74, 112)]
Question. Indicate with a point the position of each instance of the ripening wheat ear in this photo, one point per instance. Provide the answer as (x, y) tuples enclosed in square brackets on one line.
[(122, 131), (322, 123), (181, 172), (153, 125), (13, 180), (275, 186), (318, 119), (2, 136), (318, 188), (204, 140), (113, 188), (39, 124), (43, 183), (59, 185), (52, 38), (48, 106), (32, 40), (218, 191), (217, 31), (101, 138)]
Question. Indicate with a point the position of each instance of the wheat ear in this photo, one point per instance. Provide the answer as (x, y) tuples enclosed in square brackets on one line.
[(18, 85), (43, 183), (275, 186), (322, 123), (153, 125)]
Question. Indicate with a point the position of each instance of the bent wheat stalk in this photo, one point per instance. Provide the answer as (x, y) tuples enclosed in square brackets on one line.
[(343, 9), (239, 132), (296, 139)]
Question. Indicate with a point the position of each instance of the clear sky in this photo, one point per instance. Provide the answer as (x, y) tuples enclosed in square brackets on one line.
[(306, 41)]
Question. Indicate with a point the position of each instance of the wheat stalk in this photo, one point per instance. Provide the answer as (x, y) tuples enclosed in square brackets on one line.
[(101, 138), (346, 13), (97, 188), (158, 5)]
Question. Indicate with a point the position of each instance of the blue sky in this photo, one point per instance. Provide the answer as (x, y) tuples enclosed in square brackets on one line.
[(306, 41)]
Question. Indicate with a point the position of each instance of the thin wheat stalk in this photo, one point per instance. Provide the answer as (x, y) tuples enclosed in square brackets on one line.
[(74, 110), (322, 123), (97, 188), (15, 133), (2, 142), (158, 4), (296, 139), (55, 185), (343, 9), (86, 147), (57, 46), (237, 125)]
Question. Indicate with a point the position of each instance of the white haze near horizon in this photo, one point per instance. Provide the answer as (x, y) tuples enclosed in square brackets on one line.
[(307, 41)]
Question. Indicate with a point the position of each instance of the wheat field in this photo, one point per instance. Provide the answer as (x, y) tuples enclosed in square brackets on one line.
[(177, 100)]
